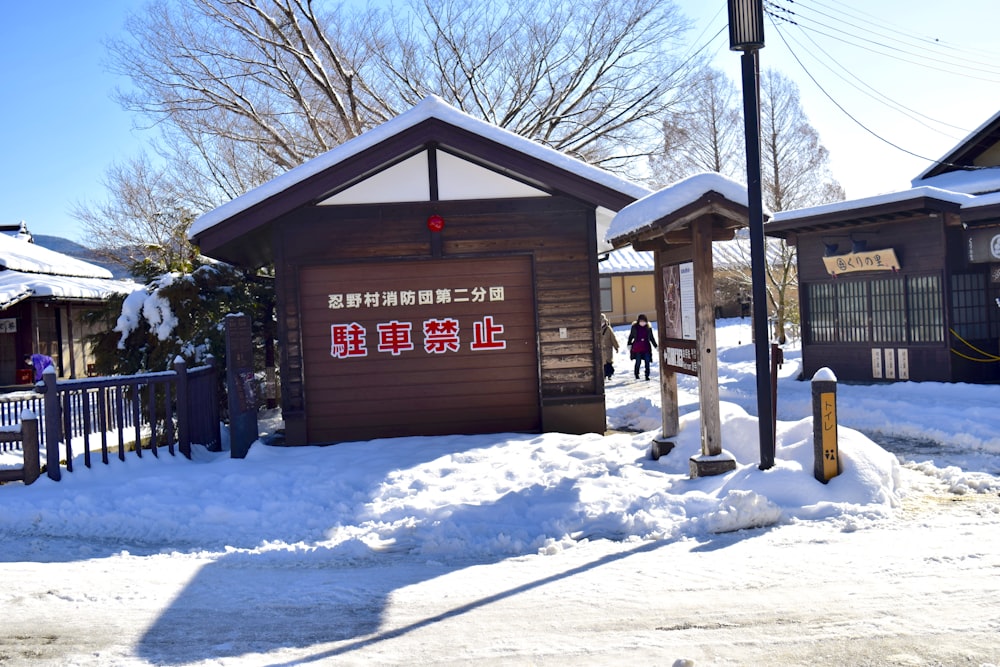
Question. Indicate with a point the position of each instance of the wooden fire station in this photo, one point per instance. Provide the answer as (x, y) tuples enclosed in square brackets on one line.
[(436, 275)]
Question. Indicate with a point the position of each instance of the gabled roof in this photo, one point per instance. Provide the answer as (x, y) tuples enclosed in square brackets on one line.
[(236, 231), (675, 206), (968, 153), (20, 255)]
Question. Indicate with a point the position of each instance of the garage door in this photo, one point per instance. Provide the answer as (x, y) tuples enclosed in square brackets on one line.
[(419, 348)]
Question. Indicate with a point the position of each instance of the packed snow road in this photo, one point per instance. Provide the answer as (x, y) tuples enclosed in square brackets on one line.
[(920, 589)]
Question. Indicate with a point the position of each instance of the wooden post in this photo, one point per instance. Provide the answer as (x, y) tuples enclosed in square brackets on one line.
[(240, 385), (669, 408), (826, 451), (30, 446), (712, 461), (668, 379), (183, 409), (53, 425), (708, 362)]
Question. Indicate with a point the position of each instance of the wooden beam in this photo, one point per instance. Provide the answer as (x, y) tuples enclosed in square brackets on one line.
[(669, 399), (708, 364)]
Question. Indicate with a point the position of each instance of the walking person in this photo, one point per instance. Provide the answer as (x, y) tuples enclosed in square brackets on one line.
[(609, 345), (641, 343)]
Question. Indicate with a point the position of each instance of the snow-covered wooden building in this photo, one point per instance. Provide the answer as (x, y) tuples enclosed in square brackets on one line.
[(43, 297), (906, 285), (435, 275)]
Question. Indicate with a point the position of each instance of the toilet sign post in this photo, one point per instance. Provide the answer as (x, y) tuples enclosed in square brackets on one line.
[(826, 451)]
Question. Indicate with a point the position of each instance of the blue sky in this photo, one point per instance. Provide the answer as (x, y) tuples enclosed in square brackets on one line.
[(61, 130)]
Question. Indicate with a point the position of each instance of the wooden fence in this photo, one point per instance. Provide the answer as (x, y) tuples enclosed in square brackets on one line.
[(23, 436), (113, 415)]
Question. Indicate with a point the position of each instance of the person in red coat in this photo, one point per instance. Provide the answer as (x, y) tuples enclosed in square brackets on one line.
[(641, 343)]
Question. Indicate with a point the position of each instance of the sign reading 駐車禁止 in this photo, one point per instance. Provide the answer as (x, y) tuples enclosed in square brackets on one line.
[(447, 319)]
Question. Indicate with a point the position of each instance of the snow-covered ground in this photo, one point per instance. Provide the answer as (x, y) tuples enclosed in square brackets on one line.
[(533, 549)]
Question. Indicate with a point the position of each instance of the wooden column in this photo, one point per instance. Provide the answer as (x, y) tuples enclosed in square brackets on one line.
[(708, 363), (668, 379)]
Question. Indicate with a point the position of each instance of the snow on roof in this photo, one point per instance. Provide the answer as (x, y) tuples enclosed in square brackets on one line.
[(430, 107), (968, 181), (627, 260), (16, 286), (19, 255), (657, 205), (725, 255), (28, 269), (877, 200)]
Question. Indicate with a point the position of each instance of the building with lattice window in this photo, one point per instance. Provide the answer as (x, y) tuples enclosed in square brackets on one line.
[(906, 285)]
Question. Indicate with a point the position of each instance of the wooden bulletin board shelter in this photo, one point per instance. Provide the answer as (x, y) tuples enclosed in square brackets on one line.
[(679, 225)]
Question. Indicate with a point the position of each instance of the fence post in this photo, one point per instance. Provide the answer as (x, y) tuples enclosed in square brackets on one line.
[(53, 425), (826, 452), (30, 446), (183, 409)]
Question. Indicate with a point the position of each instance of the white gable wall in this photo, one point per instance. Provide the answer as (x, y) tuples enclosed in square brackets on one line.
[(458, 179)]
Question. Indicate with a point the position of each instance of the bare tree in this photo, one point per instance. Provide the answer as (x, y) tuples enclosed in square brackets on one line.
[(586, 77), (707, 135), (704, 134), (795, 172), (246, 89), (142, 226), (795, 166)]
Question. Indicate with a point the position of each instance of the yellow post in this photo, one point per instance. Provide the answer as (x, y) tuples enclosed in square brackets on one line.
[(825, 448)]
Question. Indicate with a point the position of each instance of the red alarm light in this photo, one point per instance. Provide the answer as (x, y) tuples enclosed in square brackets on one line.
[(435, 223)]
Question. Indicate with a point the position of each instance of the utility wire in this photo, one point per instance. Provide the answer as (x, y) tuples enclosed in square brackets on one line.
[(875, 94), (920, 59), (870, 19), (849, 114)]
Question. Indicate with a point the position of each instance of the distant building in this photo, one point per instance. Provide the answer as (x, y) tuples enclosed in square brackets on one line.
[(43, 296), (627, 286), (906, 285)]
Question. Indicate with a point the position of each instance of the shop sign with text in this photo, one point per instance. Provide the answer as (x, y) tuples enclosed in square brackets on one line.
[(872, 260)]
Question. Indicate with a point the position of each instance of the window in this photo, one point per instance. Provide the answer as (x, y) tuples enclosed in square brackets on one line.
[(606, 304), (852, 306), (823, 312), (888, 310), (968, 306), (891, 310), (926, 309)]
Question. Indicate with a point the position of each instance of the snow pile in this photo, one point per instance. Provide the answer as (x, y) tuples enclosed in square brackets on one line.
[(489, 497)]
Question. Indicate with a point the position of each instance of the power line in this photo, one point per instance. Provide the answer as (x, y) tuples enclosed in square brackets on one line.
[(849, 114), (784, 14), (871, 92)]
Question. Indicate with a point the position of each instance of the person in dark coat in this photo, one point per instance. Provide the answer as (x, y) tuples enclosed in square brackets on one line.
[(609, 345), (641, 343)]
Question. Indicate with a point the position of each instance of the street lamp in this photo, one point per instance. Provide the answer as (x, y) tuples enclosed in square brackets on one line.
[(746, 34)]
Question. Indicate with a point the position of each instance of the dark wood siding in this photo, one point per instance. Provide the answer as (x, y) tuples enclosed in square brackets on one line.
[(554, 236)]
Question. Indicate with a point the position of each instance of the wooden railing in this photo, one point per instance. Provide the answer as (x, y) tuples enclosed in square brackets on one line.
[(116, 414), (23, 436)]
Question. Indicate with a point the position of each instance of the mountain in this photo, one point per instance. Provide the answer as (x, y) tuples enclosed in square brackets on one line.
[(74, 249)]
